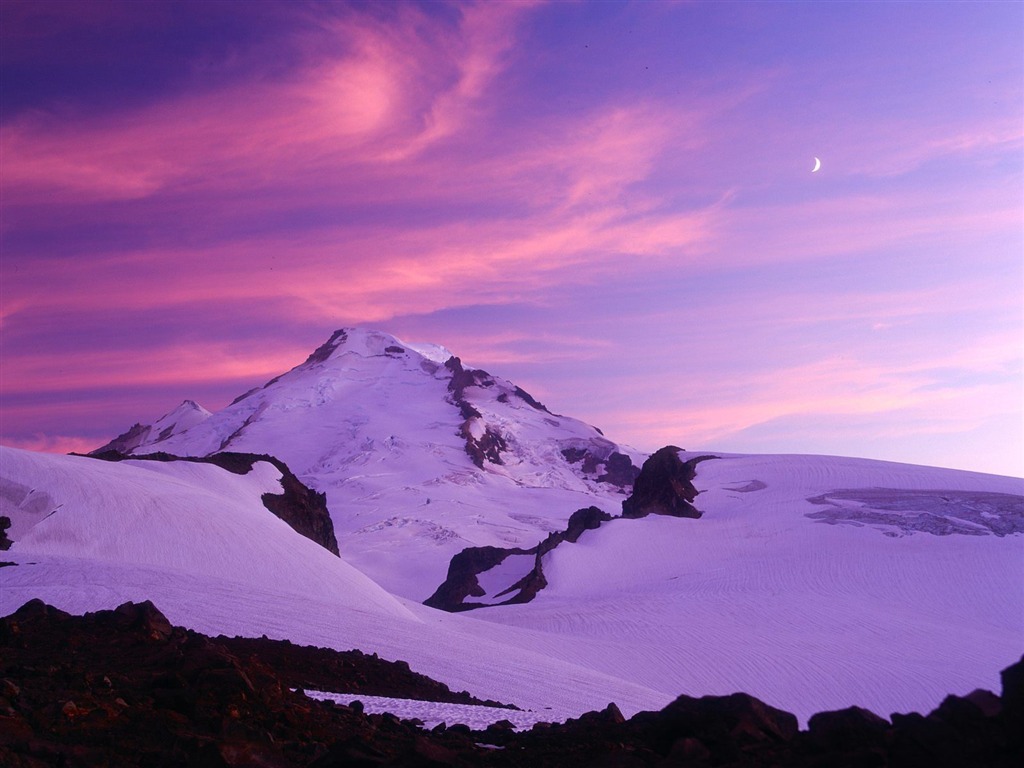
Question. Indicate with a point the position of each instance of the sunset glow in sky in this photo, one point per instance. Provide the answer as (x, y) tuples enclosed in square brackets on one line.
[(610, 204)]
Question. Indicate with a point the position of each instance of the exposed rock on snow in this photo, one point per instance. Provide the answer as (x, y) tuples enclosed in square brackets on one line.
[(664, 486), (515, 585), (618, 468), (463, 577)]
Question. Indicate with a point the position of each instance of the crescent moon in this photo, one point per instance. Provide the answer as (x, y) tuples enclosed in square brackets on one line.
[(817, 165)]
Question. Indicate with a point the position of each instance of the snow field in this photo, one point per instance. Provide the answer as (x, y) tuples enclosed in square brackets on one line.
[(196, 519), (756, 597), (433, 713)]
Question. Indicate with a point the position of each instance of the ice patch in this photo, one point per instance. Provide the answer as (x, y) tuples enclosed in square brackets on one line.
[(939, 512)]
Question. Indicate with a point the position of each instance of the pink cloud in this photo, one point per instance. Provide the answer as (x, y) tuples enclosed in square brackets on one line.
[(51, 443), (193, 364), (372, 91)]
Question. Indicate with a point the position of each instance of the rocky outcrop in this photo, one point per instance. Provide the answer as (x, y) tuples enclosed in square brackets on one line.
[(586, 519), (615, 468), (483, 442), (304, 509), (619, 470), (324, 351), (664, 486), (127, 441), (126, 688), (462, 581)]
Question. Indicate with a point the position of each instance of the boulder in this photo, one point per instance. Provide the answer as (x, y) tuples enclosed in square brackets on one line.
[(664, 486)]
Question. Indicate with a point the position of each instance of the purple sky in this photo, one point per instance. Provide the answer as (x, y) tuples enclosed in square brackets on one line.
[(610, 204)]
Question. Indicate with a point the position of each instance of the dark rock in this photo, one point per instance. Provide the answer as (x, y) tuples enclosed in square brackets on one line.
[(619, 470), (145, 617), (736, 711), (586, 519), (847, 729), (526, 397), (461, 581), (689, 751), (205, 701), (664, 486), (5, 541), (324, 351), (1013, 691), (987, 702), (489, 446)]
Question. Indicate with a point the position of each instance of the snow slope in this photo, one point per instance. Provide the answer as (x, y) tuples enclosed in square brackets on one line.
[(760, 597), (196, 541), (182, 517)]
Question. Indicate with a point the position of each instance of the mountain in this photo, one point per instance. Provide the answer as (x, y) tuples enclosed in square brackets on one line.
[(149, 436), (419, 455), (811, 582)]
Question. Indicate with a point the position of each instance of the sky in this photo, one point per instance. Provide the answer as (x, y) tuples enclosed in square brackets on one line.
[(612, 204)]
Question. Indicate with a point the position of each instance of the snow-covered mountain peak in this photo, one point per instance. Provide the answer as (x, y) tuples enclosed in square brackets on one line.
[(365, 342), (386, 428), (184, 417), (358, 341)]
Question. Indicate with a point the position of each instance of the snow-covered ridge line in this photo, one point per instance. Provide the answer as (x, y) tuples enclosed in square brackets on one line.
[(301, 507)]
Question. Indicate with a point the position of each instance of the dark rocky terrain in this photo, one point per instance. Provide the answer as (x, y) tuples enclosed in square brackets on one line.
[(125, 688), (461, 582)]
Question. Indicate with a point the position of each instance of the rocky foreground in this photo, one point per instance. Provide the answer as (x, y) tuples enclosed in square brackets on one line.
[(125, 688)]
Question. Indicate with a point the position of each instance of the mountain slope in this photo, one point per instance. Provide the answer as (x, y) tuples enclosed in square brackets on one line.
[(419, 455), (186, 518)]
